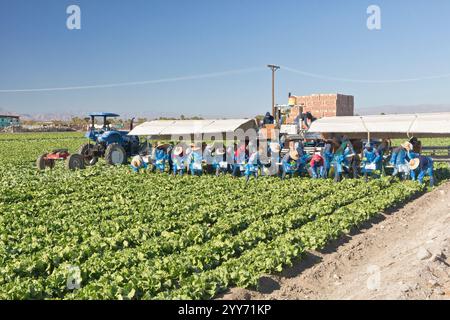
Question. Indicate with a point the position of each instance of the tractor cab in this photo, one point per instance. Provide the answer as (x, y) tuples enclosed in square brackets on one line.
[(113, 145)]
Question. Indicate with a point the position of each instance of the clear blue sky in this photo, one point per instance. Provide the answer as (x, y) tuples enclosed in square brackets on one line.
[(137, 40)]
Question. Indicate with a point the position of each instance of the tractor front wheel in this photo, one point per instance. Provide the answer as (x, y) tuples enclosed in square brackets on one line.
[(75, 161), (115, 154), (86, 151)]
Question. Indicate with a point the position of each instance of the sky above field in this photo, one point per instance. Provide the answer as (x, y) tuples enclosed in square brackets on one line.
[(209, 58)]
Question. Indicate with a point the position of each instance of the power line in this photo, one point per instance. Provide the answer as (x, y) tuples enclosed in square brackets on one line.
[(136, 83), (331, 78)]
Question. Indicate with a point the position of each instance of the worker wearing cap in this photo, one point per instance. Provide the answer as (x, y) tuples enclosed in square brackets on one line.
[(317, 166), (400, 159), (179, 160), (370, 160), (425, 166), (159, 158), (138, 163), (289, 164), (252, 165)]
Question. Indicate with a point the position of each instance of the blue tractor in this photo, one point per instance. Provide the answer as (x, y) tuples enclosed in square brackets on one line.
[(113, 145)]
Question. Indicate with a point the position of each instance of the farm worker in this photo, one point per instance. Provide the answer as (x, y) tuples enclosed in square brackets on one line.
[(195, 163), (230, 157), (383, 149), (209, 159), (350, 159), (138, 163), (370, 160), (269, 159), (169, 151), (219, 162), (268, 119), (417, 145), (317, 164), (179, 161), (239, 160), (159, 158), (289, 164), (338, 161), (425, 166), (251, 167), (327, 155), (400, 159)]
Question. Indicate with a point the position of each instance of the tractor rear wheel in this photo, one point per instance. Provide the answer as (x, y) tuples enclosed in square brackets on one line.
[(42, 163), (86, 152), (115, 154), (74, 161)]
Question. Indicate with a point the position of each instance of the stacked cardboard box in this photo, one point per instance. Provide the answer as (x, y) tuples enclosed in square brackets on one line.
[(324, 105)]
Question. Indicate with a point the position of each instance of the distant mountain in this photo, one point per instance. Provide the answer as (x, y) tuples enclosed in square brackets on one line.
[(396, 109)]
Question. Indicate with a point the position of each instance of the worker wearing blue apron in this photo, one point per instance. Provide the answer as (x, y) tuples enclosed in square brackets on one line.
[(138, 163), (327, 155), (219, 162), (400, 160), (424, 165), (289, 164), (159, 159), (252, 166), (195, 163), (179, 161), (370, 161)]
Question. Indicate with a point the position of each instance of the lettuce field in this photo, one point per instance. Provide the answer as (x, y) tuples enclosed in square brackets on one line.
[(104, 233)]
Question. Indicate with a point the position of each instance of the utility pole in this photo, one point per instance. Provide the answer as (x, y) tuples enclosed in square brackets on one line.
[(274, 113)]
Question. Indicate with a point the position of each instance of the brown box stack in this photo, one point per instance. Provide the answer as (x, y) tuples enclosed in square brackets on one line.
[(324, 105)]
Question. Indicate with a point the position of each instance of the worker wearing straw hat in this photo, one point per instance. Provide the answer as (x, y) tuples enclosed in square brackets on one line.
[(290, 164), (138, 163), (400, 159), (179, 160), (424, 165), (195, 163), (219, 162)]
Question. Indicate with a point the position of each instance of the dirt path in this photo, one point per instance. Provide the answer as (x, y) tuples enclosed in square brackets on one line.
[(402, 255)]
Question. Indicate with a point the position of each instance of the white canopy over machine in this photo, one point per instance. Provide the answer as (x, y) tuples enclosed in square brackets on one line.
[(385, 126), (165, 129)]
